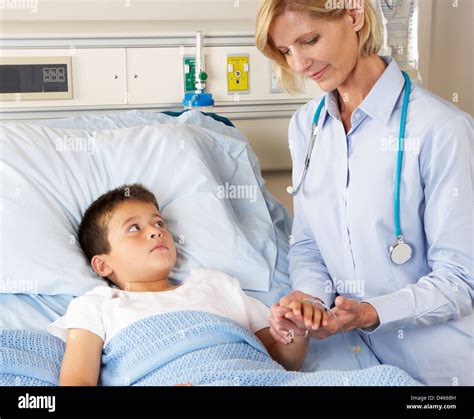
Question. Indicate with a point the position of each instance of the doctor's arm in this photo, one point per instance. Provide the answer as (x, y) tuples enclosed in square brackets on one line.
[(308, 272), (446, 293)]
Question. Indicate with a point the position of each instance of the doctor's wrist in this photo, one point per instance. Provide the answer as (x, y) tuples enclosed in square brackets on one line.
[(370, 319)]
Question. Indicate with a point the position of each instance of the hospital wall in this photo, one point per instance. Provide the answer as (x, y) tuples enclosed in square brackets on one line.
[(446, 60)]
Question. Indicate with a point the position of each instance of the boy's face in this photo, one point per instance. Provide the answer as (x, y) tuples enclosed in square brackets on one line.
[(142, 249)]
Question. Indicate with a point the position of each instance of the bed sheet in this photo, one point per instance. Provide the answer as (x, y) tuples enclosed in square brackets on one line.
[(31, 311)]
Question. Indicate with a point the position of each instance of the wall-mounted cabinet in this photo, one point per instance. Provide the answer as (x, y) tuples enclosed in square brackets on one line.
[(154, 77)]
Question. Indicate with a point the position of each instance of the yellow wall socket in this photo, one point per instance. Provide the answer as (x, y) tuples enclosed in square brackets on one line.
[(238, 73)]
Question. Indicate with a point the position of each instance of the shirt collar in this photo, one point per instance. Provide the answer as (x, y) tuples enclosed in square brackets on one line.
[(382, 98)]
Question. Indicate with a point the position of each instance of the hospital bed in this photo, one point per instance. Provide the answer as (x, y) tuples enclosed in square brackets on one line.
[(51, 170)]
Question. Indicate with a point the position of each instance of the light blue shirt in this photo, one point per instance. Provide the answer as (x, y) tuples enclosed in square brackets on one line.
[(344, 224)]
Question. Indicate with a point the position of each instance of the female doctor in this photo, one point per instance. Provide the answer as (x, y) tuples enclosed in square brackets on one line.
[(383, 195)]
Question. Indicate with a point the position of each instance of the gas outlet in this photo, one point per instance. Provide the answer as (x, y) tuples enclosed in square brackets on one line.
[(238, 70)]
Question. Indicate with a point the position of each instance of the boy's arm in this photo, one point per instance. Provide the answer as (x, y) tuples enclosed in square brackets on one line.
[(82, 359), (291, 355)]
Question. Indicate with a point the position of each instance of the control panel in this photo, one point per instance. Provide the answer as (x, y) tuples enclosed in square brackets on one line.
[(35, 78)]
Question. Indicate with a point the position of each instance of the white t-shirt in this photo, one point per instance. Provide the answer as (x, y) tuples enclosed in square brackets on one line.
[(105, 310)]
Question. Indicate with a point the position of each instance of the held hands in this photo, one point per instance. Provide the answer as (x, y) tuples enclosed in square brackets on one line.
[(293, 313), (296, 316)]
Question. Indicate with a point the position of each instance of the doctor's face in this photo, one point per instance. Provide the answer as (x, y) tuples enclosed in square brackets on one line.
[(324, 50)]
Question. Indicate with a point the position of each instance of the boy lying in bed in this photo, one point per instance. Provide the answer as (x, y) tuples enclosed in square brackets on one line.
[(125, 238)]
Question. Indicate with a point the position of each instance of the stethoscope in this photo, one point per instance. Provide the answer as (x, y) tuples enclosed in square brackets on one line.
[(401, 251)]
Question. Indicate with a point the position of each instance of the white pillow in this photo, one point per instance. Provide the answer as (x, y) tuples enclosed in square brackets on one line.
[(49, 177)]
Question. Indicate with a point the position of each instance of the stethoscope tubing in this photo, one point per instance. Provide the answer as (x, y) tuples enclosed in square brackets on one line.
[(401, 138), (399, 165)]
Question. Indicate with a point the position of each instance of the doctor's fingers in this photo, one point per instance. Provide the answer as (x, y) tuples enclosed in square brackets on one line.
[(332, 326), (280, 335), (293, 296), (282, 326), (277, 315), (277, 310)]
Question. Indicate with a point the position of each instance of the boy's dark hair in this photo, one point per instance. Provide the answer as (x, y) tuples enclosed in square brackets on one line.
[(93, 230)]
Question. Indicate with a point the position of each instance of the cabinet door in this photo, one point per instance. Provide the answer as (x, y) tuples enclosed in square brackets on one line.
[(154, 75), (101, 77)]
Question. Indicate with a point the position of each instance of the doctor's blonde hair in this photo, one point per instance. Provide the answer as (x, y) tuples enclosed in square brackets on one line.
[(370, 36)]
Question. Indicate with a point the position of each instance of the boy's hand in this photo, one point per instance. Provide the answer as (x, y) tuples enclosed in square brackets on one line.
[(310, 315)]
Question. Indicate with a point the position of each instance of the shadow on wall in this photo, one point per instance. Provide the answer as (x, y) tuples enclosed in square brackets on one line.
[(276, 184)]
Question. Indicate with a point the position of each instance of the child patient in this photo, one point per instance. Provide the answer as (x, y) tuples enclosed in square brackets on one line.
[(125, 239)]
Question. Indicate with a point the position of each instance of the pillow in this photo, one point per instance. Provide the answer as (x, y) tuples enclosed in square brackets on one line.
[(49, 177), (135, 118), (280, 282)]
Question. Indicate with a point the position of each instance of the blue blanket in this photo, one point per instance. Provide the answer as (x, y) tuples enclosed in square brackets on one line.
[(176, 348)]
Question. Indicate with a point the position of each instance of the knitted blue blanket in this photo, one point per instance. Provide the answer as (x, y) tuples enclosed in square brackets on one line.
[(177, 348)]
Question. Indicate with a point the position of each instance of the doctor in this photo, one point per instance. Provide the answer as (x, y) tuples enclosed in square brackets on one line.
[(383, 194)]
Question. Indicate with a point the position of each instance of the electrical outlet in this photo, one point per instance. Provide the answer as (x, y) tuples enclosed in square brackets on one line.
[(274, 87)]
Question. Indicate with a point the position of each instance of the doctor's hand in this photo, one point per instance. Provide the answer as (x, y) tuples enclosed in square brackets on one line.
[(351, 315), (280, 325)]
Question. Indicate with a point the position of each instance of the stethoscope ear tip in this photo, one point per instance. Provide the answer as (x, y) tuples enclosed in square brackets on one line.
[(290, 190)]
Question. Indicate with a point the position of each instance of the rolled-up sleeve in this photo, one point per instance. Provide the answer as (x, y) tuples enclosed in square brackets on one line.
[(308, 273), (446, 293)]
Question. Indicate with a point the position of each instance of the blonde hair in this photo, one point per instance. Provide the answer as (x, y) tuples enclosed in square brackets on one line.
[(370, 36)]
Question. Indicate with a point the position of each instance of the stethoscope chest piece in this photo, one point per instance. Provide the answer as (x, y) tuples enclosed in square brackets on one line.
[(400, 252)]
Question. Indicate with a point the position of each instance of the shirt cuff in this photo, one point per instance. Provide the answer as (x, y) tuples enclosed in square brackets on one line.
[(394, 311)]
